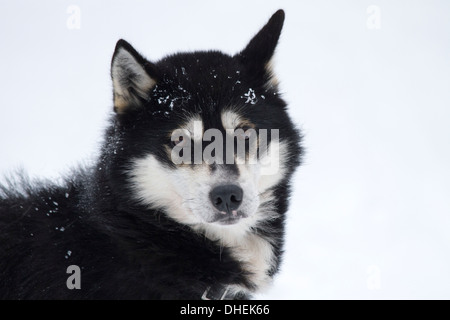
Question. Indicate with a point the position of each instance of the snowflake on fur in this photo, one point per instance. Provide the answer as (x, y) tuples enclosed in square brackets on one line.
[(251, 96)]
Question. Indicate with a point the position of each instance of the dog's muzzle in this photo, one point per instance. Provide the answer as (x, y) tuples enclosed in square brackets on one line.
[(227, 200)]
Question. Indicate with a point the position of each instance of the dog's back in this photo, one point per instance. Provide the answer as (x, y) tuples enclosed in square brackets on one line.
[(45, 230)]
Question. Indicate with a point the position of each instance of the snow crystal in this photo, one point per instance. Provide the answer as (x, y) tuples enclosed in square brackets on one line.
[(251, 96), (183, 70), (67, 195), (62, 229), (163, 100), (55, 203)]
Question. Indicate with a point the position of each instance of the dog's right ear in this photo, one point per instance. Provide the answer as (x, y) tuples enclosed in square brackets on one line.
[(133, 77), (258, 54)]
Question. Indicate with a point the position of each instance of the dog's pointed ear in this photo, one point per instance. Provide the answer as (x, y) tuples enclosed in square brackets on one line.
[(132, 76), (258, 53)]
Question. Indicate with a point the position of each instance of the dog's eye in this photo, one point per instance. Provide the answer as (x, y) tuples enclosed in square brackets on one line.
[(180, 141), (180, 138), (244, 132)]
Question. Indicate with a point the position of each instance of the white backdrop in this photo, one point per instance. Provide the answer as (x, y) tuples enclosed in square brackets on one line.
[(367, 81)]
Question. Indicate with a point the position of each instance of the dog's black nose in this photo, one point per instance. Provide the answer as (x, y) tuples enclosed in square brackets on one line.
[(226, 198)]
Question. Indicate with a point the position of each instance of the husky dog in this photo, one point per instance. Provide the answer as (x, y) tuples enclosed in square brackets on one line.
[(140, 225)]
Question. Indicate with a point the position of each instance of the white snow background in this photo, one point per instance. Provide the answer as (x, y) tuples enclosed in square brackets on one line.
[(370, 211)]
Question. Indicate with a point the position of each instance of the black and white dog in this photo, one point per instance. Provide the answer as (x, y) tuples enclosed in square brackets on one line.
[(172, 209)]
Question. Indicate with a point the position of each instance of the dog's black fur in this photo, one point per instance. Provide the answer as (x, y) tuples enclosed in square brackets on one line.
[(124, 249)]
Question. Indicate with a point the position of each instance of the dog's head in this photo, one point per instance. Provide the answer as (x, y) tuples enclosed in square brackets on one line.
[(208, 133)]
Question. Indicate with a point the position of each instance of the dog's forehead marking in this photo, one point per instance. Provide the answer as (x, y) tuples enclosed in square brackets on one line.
[(194, 125), (230, 119)]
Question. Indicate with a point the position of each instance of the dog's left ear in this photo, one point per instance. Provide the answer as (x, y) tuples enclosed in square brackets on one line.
[(133, 77), (258, 53)]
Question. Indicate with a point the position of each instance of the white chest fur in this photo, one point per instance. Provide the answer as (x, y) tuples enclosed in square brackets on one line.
[(252, 251)]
